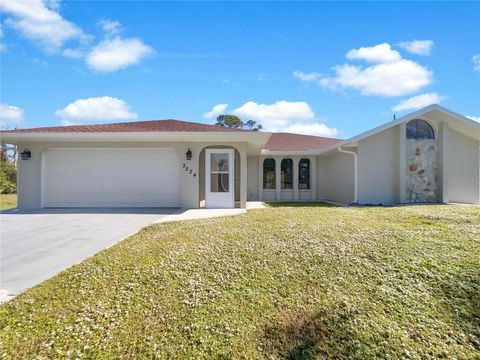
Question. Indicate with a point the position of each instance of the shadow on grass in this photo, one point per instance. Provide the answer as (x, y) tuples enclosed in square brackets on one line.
[(300, 204), (325, 334)]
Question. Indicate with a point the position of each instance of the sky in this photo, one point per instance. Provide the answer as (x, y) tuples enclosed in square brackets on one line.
[(331, 69)]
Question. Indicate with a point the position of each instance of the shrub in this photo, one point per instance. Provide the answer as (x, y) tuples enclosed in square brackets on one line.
[(8, 178)]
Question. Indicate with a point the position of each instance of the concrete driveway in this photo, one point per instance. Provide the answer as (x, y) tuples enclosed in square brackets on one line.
[(38, 244)]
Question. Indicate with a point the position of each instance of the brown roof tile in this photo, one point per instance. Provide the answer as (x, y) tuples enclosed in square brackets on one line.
[(137, 126), (296, 142)]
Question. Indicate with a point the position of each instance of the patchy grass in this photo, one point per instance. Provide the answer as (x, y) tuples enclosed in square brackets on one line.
[(283, 282), (8, 201)]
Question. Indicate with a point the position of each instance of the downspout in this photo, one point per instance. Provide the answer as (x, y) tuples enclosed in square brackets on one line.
[(355, 172)]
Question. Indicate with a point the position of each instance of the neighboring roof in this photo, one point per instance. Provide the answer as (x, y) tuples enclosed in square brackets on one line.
[(137, 126), (295, 142)]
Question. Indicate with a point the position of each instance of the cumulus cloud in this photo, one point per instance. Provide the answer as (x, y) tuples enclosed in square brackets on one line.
[(41, 22), (476, 62), (418, 47), (10, 116), (474, 118), (317, 129), (386, 75), (276, 115), (216, 110), (380, 53), (114, 54), (307, 77), (397, 78), (95, 110), (281, 116), (417, 102)]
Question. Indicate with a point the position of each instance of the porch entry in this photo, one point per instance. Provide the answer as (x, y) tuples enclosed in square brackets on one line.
[(219, 178)]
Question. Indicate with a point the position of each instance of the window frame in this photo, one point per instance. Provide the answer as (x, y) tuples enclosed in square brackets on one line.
[(264, 172), (413, 134), (308, 175), (284, 174)]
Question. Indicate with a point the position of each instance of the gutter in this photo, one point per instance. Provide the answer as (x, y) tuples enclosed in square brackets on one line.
[(355, 172)]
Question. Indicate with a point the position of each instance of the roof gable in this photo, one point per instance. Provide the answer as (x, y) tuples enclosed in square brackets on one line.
[(461, 123)]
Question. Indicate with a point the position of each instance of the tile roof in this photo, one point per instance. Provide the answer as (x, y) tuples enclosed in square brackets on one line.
[(137, 126), (296, 142), (277, 141)]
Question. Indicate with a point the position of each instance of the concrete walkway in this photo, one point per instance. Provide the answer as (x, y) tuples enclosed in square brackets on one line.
[(192, 214)]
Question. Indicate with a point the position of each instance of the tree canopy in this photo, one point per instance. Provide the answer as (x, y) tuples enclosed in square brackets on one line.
[(233, 121)]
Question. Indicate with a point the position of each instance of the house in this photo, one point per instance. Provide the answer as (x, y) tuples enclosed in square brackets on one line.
[(431, 155)]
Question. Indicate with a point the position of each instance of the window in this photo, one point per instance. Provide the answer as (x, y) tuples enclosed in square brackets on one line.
[(269, 174), (219, 173), (304, 174), (286, 168), (419, 129)]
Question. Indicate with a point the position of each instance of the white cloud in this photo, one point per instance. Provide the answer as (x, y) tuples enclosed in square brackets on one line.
[(40, 22), (316, 129), (276, 115), (117, 53), (110, 27), (10, 116), (281, 116), (474, 118), (476, 62), (307, 77), (285, 116), (95, 110), (216, 110), (418, 47), (388, 75), (417, 102), (380, 53), (396, 78)]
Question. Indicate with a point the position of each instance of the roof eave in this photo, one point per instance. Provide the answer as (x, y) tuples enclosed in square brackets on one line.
[(163, 136), (267, 152)]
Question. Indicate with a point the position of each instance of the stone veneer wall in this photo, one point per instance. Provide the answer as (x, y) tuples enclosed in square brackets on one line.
[(422, 171)]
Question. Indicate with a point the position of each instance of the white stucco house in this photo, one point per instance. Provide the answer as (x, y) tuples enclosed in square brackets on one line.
[(431, 155)]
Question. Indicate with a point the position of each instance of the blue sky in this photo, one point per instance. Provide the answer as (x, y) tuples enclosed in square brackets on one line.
[(333, 69)]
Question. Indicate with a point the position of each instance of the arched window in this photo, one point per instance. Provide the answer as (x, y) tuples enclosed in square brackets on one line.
[(269, 174), (304, 174), (419, 130), (287, 173)]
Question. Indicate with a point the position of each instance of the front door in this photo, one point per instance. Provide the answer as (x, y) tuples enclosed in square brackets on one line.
[(219, 174)]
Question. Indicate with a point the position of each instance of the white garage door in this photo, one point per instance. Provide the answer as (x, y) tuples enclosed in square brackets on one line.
[(111, 178)]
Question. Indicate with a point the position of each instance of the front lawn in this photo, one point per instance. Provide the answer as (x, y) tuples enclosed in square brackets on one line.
[(8, 201), (283, 282)]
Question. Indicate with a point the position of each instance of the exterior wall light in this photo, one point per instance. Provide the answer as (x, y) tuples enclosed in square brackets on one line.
[(25, 154), (188, 154)]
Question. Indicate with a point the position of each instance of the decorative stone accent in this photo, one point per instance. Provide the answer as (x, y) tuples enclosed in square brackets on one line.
[(422, 171)]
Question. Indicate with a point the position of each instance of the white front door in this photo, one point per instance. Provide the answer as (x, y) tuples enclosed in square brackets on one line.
[(219, 174)]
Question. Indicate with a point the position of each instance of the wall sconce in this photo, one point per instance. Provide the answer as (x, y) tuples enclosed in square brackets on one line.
[(25, 154), (188, 154)]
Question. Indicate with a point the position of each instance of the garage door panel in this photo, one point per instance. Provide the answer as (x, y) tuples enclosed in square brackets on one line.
[(111, 178)]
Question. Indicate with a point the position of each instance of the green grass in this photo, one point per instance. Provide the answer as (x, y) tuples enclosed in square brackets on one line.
[(8, 201), (284, 282)]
